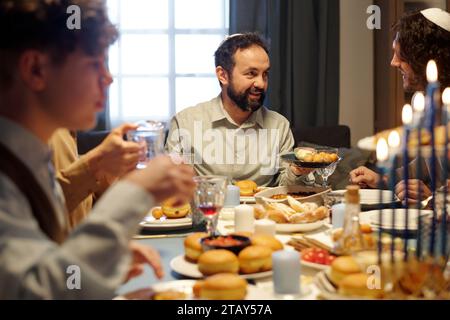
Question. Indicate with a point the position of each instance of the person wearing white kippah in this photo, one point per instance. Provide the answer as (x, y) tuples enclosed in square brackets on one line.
[(420, 37)]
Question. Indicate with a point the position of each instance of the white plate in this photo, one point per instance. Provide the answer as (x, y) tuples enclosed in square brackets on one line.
[(328, 290), (150, 223), (188, 269), (248, 199), (400, 214), (371, 196), (316, 266), (185, 286), (300, 227)]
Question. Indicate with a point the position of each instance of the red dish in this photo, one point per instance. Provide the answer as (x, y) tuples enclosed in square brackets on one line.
[(317, 255), (233, 243), (223, 242)]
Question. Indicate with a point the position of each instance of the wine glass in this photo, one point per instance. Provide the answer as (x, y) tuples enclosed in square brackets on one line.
[(326, 172), (209, 197)]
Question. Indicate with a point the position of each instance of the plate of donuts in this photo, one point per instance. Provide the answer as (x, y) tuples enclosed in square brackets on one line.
[(245, 254), (189, 269)]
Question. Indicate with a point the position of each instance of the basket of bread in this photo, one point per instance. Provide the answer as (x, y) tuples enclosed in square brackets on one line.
[(296, 216)]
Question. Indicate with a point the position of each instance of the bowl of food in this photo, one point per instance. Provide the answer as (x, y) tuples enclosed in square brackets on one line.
[(312, 158), (233, 243), (296, 216)]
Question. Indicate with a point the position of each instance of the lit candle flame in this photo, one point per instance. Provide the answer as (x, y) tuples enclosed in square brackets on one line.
[(407, 114), (432, 71), (394, 139), (382, 150), (446, 96), (418, 102)]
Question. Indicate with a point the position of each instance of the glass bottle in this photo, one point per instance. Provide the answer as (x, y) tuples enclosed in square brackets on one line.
[(351, 240)]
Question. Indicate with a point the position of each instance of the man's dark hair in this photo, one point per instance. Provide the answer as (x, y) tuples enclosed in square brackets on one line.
[(420, 41), (224, 55), (42, 25)]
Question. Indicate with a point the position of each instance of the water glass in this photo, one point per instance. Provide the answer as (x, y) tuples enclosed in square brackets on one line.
[(150, 136)]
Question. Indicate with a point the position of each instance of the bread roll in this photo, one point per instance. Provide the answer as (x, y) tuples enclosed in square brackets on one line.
[(321, 213), (358, 285), (266, 240), (258, 211), (305, 217), (295, 204), (342, 267), (223, 286), (218, 261), (255, 259), (277, 216), (193, 247)]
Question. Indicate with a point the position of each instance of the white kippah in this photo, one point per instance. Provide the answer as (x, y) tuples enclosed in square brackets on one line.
[(229, 37), (438, 17)]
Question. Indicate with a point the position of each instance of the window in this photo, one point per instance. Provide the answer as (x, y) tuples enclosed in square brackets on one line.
[(163, 61)]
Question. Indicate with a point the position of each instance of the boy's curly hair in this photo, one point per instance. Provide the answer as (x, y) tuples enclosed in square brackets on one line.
[(42, 25), (421, 41)]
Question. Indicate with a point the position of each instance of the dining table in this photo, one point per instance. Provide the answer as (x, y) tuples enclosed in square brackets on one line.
[(171, 245)]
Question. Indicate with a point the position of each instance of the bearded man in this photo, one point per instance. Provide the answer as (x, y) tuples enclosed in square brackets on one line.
[(234, 135)]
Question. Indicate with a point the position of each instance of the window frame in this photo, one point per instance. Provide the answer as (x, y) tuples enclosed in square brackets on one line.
[(171, 32)]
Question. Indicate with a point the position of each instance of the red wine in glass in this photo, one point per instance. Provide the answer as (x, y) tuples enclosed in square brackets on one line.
[(208, 209)]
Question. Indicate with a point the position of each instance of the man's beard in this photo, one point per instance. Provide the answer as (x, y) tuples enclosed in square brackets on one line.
[(243, 101), (414, 82)]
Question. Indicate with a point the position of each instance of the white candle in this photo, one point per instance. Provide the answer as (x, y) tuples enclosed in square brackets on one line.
[(286, 272), (338, 215), (265, 226), (418, 104), (446, 98), (244, 218)]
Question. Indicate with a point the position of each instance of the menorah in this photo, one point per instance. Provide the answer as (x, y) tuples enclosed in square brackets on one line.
[(417, 268)]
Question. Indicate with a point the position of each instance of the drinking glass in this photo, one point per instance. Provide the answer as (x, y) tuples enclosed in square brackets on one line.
[(326, 172), (150, 136), (209, 198)]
